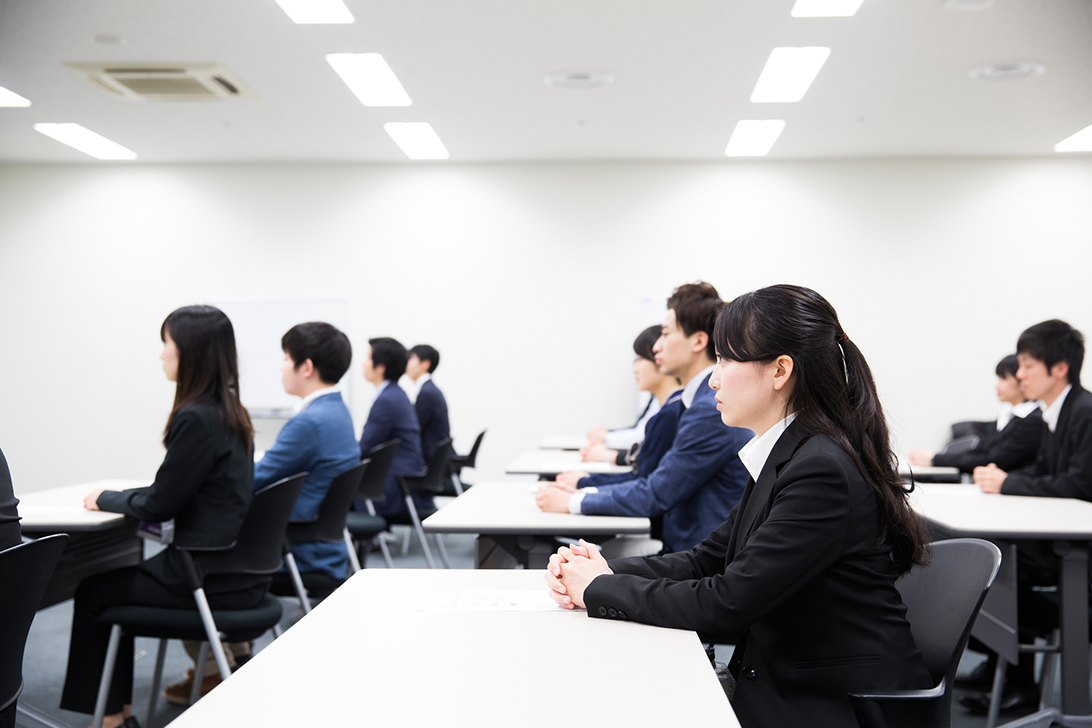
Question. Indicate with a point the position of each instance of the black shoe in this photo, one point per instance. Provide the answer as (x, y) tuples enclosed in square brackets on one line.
[(980, 678), (1015, 697)]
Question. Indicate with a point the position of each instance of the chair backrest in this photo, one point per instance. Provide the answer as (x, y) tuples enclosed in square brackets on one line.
[(963, 429), (25, 570), (942, 600), (469, 460), (259, 547), (435, 477), (961, 444), (329, 525), (375, 477)]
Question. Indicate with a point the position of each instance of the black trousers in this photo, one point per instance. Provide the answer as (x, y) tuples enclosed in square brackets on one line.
[(7, 715), (90, 637)]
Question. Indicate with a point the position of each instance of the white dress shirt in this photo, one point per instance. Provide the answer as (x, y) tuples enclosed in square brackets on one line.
[(756, 452), (413, 388), (1054, 411), (630, 436), (1008, 411)]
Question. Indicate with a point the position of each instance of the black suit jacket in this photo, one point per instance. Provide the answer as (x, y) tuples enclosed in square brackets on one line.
[(1015, 446), (431, 408), (1063, 468), (9, 514), (205, 484), (799, 577)]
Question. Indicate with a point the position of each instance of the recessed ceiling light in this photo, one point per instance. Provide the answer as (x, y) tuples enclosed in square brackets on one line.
[(1079, 142), (313, 12), (417, 139), (85, 140), (578, 79), (1007, 71), (966, 6), (788, 74), (753, 138), (825, 8), (10, 98), (370, 78)]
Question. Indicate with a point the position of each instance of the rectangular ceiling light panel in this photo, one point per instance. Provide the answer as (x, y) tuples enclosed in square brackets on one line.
[(370, 78), (754, 138), (1079, 142), (825, 8), (417, 140), (315, 12), (10, 98), (85, 141), (788, 74)]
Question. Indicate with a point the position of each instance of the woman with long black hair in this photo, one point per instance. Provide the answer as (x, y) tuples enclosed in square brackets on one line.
[(204, 484), (801, 577)]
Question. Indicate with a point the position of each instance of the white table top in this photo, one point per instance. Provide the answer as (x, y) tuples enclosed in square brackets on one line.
[(563, 442), (551, 462), (965, 509), (905, 469), (368, 656), (509, 508), (63, 507)]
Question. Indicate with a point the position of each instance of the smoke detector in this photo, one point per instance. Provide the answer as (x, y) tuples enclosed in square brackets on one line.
[(163, 81), (1007, 71), (578, 79)]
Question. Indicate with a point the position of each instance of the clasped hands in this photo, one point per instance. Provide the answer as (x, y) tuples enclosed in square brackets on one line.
[(570, 571), (553, 496), (989, 478)]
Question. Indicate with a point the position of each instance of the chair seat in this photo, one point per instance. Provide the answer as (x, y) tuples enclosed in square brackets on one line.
[(318, 585), (238, 625), (363, 525), (403, 518)]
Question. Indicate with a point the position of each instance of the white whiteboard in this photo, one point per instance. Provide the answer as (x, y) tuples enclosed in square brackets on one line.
[(259, 326)]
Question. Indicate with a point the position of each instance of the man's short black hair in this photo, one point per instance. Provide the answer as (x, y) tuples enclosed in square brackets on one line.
[(424, 352), (696, 306), (1007, 367), (327, 347), (1051, 342), (391, 354)]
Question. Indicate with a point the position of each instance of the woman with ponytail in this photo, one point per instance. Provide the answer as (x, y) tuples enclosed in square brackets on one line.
[(801, 577), (204, 485)]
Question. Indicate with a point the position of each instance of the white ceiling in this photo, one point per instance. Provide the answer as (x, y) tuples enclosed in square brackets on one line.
[(896, 83)]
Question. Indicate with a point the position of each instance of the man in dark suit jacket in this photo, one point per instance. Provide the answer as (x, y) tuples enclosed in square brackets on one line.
[(9, 515), (392, 417), (429, 402)]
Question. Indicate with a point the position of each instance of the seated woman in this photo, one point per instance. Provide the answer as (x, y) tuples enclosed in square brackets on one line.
[(664, 390), (801, 577), (204, 484)]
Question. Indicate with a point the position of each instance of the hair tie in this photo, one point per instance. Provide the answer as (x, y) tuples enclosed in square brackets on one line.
[(843, 337)]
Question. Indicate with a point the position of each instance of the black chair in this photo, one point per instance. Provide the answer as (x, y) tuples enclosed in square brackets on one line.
[(328, 526), (25, 570), (258, 549), (431, 482), (942, 602), (363, 526), (456, 465)]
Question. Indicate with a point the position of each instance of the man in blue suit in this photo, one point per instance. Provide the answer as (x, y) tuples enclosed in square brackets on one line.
[(700, 478), (392, 417), (429, 403)]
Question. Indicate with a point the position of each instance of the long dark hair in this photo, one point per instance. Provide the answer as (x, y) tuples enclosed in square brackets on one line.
[(208, 370), (833, 393)]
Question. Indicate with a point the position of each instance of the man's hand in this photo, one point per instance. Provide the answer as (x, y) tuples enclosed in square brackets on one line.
[(598, 435), (553, 499), (922, 457), (569, 480), (91, 502), (989, 478)]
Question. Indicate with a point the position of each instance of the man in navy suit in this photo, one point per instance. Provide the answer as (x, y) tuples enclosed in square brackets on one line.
[(428, 401), (392, 417), (700, 478)]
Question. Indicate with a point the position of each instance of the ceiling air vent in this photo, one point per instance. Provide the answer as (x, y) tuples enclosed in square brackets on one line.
[(163, 81)]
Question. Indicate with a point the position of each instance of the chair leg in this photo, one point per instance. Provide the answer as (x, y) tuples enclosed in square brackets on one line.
[(354, 562), (443, 551), (405, 542), (212, 633), (386, 551), (107, 675), (457, 483), (277, 631), (420, 531), (297, 581), (160, 657), (199, 672), (995, 696)]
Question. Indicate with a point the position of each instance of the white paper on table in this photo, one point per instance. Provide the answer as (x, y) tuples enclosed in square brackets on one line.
[(493, 600)]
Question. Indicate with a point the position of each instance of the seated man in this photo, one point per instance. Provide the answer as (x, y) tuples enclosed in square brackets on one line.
[(392, 417), (428, 400), (1014, 443), (700, 478)]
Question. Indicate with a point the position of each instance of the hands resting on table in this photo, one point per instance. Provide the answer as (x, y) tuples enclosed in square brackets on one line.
[(989, 478), (553, 496), (91, 502), (570, 571)]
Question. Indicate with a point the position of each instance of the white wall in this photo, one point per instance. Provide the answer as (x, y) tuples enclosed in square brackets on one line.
[(528, 278)]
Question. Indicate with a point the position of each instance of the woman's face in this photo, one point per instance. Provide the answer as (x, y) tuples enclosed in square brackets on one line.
[(647, 374), (746, 396), (169, 357)]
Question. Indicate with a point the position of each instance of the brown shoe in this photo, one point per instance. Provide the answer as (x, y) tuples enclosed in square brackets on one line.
[(179, 693)]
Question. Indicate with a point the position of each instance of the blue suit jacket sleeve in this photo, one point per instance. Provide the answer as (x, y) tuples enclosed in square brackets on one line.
[(703, 446), (380, 426), (290, 454)]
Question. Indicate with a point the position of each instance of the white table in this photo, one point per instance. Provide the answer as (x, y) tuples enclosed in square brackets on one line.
[(934, 473), (504, 515), (62, 508), (563, 442), (549, 463), (367, 656), (963, 510)]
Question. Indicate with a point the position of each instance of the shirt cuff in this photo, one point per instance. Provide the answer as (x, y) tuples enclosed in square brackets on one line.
[(574, 503)]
